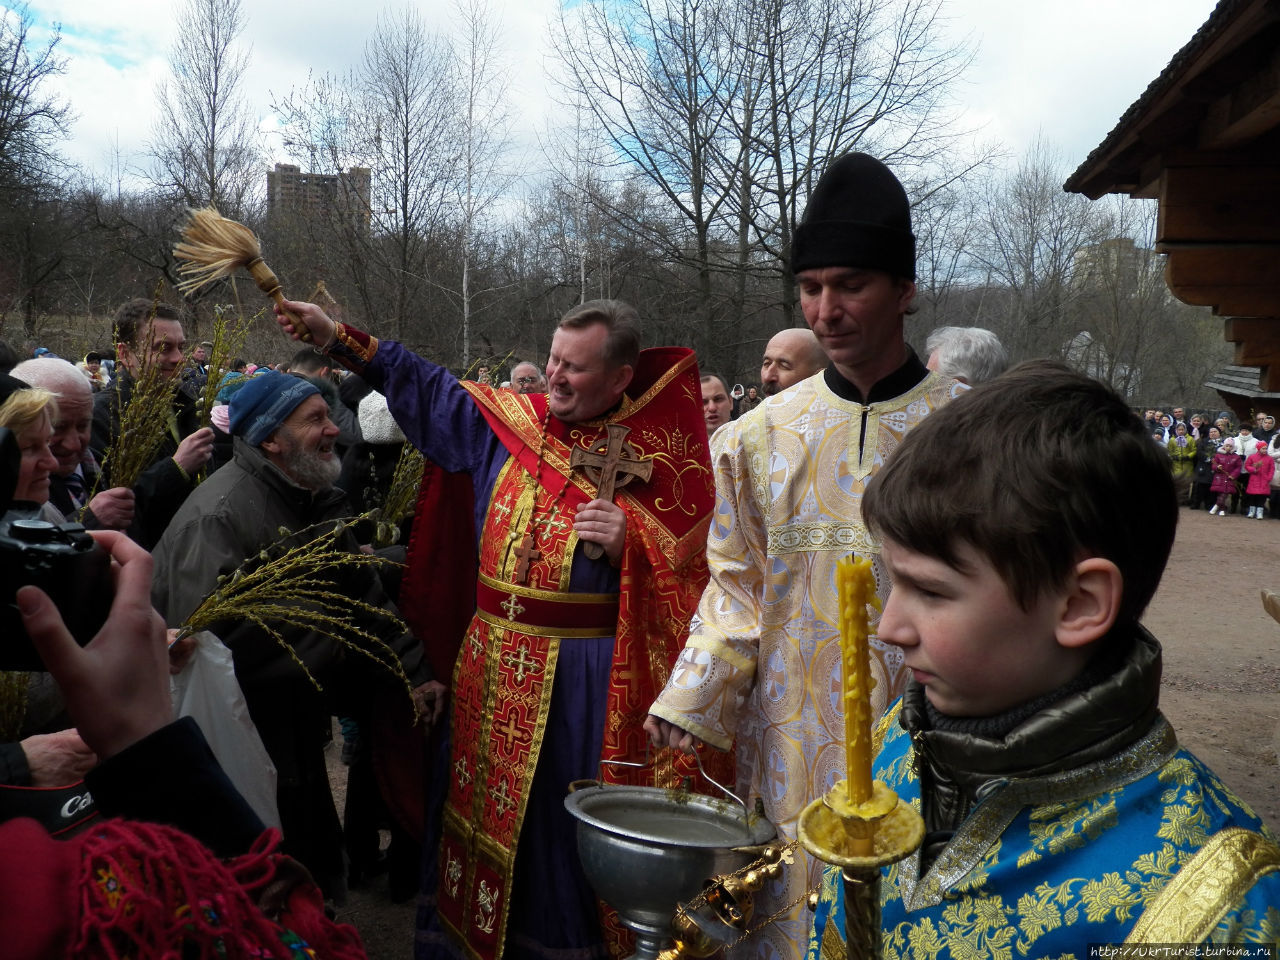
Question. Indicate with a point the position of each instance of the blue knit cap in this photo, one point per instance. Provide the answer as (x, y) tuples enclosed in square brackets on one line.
[(265, 402)]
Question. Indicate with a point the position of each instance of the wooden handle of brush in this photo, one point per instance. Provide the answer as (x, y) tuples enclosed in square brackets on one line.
[(270, 285)]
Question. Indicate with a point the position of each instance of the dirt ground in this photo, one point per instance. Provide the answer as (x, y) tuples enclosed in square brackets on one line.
[(1221, 683), (1222, 651)]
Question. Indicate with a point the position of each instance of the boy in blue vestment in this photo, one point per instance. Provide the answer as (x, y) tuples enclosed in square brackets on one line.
[(1059, 809)]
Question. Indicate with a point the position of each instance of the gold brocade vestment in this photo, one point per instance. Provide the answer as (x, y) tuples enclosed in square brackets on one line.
[(762, 663), (502, 690)]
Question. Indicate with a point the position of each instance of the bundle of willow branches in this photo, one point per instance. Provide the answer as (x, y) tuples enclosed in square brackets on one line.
[(470, 372), (285, 588), (402, 496), (143, 421), (230, 330)]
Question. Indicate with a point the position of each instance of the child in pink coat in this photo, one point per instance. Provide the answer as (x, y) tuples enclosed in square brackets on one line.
[(1226, 467), (1260, 468)]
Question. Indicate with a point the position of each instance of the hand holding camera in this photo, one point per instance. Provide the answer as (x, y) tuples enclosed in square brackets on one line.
[(117, 686), (65, 563)]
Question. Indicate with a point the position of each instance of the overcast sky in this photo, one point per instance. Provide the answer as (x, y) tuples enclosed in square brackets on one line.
[(1067, 70)]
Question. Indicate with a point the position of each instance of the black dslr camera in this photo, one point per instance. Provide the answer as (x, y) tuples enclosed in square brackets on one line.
[(59, 558)]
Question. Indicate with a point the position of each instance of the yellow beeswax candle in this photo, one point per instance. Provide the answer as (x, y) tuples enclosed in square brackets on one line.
[(856, 585)]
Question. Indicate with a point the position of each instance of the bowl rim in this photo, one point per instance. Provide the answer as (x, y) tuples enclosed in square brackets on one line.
[(757, 828)]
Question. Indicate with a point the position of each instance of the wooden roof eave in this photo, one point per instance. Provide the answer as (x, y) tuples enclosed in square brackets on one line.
[(1211, 96)]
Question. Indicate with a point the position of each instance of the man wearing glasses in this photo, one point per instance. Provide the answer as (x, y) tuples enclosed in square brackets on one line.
[(527, 378)]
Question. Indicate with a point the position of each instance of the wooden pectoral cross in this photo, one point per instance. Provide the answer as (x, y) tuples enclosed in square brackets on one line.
[(611, 463), (526, 553)]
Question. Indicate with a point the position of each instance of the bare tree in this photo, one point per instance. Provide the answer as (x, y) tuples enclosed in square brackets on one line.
[(1030, 235), (482, 135), (731, 111), (1133, 333), (341, 242), (577, 202), (1121, 296), (944, 220), (647, 71), (32, 121), (204, 140), (870, 75), (407, 103), (396, 115), (34, 218)]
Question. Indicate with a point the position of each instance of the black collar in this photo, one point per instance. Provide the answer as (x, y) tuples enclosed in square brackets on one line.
[(909, 375)]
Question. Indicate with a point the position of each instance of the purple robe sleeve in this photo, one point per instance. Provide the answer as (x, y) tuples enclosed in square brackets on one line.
[(436, 414), (438, 417)]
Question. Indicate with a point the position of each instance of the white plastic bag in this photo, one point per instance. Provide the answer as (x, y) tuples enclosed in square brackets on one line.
[(207, 690)]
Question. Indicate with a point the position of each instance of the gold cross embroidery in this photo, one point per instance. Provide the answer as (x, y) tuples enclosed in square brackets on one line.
[(503, 802), (509, 731), (552, 521), (523, 664), (512, 606)]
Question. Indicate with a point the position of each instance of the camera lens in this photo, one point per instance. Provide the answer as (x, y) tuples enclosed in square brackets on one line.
[(33, 531)]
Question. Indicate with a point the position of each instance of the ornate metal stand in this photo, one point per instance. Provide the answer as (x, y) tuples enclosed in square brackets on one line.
[(646, 850), (721, 914), (861, 839)]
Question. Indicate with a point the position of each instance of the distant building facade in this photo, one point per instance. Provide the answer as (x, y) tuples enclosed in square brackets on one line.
[(1106, 263), (289, 190)]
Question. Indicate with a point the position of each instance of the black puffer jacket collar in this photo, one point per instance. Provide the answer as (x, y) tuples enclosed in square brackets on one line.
[(958, 766)]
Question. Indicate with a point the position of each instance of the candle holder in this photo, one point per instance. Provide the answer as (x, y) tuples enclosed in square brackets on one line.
[(860, 839)]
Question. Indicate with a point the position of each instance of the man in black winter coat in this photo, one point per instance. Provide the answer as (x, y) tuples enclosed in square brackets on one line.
[(150, 333)]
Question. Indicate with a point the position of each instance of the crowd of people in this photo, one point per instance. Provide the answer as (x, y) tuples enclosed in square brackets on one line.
[(971, 355), (600, 566), (1218, 466), (208, 501)]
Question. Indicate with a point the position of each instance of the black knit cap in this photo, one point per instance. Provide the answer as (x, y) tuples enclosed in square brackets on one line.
[(11, 385), (10, 455), (858, 216)]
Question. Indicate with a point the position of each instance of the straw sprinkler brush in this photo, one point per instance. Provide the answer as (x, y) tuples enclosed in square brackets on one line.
[(213, 247)]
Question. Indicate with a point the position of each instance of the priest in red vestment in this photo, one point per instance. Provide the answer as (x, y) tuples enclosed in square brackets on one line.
[(582, 599)]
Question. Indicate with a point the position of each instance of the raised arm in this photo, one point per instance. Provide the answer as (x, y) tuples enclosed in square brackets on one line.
[(436, 414)]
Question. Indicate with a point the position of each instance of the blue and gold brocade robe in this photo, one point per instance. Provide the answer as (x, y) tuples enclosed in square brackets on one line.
[(1045, 866)]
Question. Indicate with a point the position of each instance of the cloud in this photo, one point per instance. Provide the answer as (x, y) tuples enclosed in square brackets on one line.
[(1067, 70)]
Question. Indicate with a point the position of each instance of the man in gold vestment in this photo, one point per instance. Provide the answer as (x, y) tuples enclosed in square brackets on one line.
[(762, 662)]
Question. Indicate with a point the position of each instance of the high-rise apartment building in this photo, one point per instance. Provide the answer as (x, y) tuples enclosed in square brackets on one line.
[(345, 193)]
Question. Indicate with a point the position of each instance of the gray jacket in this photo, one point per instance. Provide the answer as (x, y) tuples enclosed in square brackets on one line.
[(242, 508)]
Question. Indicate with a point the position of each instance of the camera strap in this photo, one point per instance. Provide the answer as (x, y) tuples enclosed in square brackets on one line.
[(60, 810)]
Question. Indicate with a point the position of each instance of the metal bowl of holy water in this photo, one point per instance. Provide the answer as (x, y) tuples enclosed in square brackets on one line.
[(645, 849)]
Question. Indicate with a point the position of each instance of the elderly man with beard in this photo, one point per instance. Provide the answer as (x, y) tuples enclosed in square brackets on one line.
[(280, 482)]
